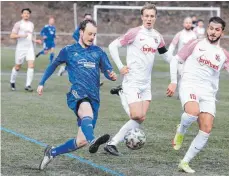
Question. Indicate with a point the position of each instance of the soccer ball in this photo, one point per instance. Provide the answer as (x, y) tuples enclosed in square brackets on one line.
[(135, 139)]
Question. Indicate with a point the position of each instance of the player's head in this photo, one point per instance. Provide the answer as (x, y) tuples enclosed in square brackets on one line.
[(87, 16), (215, 29), (51, 20), (194, 18), (25, 13), (148, 15), (88, 30), (187, 23), (200, 23)]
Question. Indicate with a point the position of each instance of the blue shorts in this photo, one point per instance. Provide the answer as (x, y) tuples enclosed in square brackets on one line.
[(48, 45), (73, 103)]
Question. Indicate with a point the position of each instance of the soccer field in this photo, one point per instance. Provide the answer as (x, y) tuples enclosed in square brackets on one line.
[(48, 120)]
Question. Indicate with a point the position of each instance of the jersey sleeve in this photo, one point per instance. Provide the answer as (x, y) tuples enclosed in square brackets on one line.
[(16, 28), (129, 36), (226, 64), (186, 50), (162, 42), (61, 58), (105, 65), (76, 34), (176, 39)]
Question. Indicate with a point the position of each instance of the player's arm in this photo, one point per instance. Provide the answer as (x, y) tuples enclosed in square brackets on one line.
[(226, 64), (106, 67), (163, 51), (181, 57), (76, 34), (173, 44), (124, 40), (61, 58), (14, 33)]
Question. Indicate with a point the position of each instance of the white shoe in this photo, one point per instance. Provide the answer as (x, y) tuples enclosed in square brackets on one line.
[(183, 166), (47, 158)]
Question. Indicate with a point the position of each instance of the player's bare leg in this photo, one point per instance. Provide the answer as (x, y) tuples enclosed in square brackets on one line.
[(13, 77), (137, 116), (30, 73)]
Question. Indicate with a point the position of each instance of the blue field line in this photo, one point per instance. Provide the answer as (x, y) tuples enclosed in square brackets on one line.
[(82, 160)]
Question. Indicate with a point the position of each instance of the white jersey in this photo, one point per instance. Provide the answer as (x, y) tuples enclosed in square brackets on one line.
[(203, 64), (21, 28), (199, 32), (182, 38), (142, 45)]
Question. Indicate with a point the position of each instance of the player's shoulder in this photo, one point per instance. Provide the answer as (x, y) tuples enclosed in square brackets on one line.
[(46, 26), (18, 22), (156, 32), (96, 48), (135, 29)]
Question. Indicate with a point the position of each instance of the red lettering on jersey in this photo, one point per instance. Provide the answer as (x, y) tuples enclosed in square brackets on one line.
[(203, 61), (146, 49)]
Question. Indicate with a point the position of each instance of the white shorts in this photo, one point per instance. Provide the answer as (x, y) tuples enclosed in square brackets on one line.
[(205, 99), (22, 54), (134, 94)]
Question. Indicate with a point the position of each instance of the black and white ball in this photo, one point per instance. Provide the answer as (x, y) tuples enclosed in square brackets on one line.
[(135, 139)]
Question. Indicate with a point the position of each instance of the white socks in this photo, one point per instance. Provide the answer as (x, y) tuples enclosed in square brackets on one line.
[(119, 137), (186, 121), (197, 144), (14, 74), (29, 79), (124, 103)]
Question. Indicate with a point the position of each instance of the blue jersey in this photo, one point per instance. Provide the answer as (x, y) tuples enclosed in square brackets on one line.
[(76, 34), (83, 66), (49, 32)]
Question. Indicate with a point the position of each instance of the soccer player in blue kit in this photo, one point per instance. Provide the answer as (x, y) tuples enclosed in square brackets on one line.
[(49, 34), (83, 62)]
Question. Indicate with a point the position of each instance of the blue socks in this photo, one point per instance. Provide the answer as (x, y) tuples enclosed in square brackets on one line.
[(51, 57), (69, 146), (87, 128)]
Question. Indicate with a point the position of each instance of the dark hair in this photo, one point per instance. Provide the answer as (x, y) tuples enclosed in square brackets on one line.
[(26, 9), (86, 14), (218, 20), (148, 6), (84, 23)]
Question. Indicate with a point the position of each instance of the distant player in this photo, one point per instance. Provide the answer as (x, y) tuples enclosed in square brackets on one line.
[(83, 62), (200, 30), (199, 84), (142, 44), (23, 32), (76, 36), (194, 22), (180, 39), (49, 34)]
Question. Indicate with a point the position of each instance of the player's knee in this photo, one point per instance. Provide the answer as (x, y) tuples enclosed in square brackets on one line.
[(192, 111), (17, 67), (81, 143), (137, 116), (206, 128)]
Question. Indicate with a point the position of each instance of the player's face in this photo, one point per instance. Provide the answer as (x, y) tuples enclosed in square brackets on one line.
[(200, 24), (51, 21), (88, 35), (88, 17), (214, 32), (148, 18), (188, 23), (25, 15)]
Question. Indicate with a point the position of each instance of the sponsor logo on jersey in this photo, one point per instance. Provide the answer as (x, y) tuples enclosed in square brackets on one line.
[(204, 61), (86, 63), (75, 94), (217, 57), (147, 49)]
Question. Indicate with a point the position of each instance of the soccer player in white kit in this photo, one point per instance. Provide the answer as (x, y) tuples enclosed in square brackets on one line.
[(200, 30), (203, 58), (23, 32), (180, 39), (142, 43)]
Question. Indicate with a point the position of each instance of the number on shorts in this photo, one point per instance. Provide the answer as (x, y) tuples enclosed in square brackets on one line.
[(193, 96)]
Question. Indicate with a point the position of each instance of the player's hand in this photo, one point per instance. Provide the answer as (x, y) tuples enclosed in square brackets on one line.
[(38, 41), (40, 90), (124, 70), (112, 75), (44, 37), (171, 89)]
